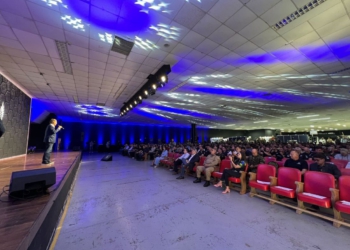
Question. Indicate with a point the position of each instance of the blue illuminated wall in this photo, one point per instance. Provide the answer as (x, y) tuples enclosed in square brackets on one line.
[(80, 134)]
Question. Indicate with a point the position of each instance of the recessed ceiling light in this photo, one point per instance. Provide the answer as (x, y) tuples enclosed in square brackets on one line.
[(312, 126), (306, 116), (320, 119), (260, 121)]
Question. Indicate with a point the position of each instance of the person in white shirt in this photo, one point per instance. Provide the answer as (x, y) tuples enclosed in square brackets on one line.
[(179, 161), (344, 155)]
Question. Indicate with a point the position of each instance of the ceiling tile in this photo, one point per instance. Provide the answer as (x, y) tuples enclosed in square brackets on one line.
[(240, 19), (224, 9), (189, 15)]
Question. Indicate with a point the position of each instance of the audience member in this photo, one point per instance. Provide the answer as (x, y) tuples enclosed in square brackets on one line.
[(254, 160), (211, 164), (306, 154), (322, 166), (189, 163), (164, 154), (179, 161), (237, 165), (296, 162), (344, 155)]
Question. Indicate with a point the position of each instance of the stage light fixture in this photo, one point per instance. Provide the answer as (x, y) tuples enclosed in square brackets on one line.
[(149, 88)]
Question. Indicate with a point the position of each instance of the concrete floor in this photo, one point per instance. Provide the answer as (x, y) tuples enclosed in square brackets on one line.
[(125, 204)]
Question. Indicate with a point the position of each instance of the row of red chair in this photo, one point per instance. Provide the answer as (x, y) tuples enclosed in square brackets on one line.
[(317, 189), (169, 161), (341, 164)]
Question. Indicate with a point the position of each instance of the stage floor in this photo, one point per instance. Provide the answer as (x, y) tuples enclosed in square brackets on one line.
[(17, 218)]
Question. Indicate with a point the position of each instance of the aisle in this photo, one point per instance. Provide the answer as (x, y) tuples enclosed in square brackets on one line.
[(125, 204)]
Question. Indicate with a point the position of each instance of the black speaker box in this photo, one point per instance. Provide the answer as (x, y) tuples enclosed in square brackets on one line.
[(30, 182), (107, 158)]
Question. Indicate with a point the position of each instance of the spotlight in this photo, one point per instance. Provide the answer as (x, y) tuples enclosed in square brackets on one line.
[(154, 86), (135, 102), (130, 106), (164, 79), (146, 92), (140, 97), (127, 108)]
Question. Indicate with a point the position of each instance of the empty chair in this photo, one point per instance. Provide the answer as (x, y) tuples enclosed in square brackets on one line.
[(225, 164), (341, 199), (284, 185), (315, 190), (261, 179), (341, 164)]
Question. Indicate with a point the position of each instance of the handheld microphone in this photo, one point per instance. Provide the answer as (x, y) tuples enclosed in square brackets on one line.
[(62, 127)]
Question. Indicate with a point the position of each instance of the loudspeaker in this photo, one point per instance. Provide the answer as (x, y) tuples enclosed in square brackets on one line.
[(107, 158), (31, 182)]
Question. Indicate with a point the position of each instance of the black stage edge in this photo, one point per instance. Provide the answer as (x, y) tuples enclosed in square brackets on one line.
[(43, 228)]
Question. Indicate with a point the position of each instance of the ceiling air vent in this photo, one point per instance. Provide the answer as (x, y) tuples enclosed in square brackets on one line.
[(64, 56), (122, 46), (298, 13)]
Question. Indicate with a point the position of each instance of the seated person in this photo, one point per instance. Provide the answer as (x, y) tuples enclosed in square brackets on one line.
[(152, 152), (296, 162), (344, 155), (220, 154), (211, 164), (322, 166), (306, 154), (237, 165), (139, 155), (319, 150), (254, 160), (179, 161), (189, 163), (164, 154)]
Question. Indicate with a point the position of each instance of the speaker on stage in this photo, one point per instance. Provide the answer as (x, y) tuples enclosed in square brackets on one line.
[(108, 157), (31, 182)]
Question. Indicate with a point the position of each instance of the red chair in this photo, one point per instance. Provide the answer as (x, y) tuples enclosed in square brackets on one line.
[(261, 179), (309, 162), (284, 185), (268, 159), (341, 199), (242, 180), (225, 164), (315, 190), (200, 163), (166, 159), (281, 163), (341, 164)]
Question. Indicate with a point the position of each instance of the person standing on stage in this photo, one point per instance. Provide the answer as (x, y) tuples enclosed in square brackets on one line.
[(50, 139)]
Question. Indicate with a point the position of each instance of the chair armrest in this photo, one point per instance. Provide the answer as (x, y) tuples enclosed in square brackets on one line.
[(273, 181), (300, 187), (243, 175), (252, 176), (335, 195)]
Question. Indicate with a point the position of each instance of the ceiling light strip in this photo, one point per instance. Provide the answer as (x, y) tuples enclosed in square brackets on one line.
[(298, 13), (64, 56)]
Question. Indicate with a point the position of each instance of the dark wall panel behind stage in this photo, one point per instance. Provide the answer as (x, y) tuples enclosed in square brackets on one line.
[(15, 120)]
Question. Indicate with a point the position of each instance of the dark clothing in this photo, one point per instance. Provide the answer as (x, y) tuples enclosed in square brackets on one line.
[(327, 157), (233, 172), (278, 156), (254, 161), (50, 134), (177, 164), (48, 150), (2, 128), (305, 156), (190, 165), (298, 164), (327, 168), (248, 153)]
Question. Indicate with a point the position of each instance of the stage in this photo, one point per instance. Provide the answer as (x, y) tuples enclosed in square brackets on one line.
[(28, 224)]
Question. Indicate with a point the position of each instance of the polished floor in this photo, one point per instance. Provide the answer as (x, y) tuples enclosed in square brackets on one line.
[(126, 204)]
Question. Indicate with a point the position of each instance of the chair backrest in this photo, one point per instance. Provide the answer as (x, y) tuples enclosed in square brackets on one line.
[(288, 176), (170, 155), (225, 164), (265, 171), (177, 155), (309, 162), (318, 183), (268, 159), (341, 164), (344, 188), (201, 160)]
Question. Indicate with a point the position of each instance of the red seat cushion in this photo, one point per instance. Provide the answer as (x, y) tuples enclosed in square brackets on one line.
[(342, 207), (234, 180), (283, 192), (263, 187), (325, 202), (216, 174)]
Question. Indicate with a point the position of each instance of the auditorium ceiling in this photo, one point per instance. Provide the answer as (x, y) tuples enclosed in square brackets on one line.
[(236, 64)]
